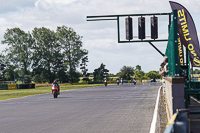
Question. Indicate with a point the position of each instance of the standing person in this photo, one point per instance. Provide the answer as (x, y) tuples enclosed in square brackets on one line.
[(163, 85), (130, 81), (55, 82), (122, 81)]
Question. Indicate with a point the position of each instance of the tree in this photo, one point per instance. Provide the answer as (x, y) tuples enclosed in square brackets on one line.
[(139, 75), (50, 54), (2, 66), (196, 71), (126, 72), (71, 44), (10, 74), (61, 74), (84, 69), (47, 55), (8, 70), (100, 73), (138, 68), (153, 74), (18, 51), (40, 75), (74, 76)]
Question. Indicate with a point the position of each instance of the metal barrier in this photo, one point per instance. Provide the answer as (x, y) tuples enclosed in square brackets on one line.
[(12, 86), (191, 92), (179, 122), (195, 79), (3, 86), (192, 89), (16, 86)]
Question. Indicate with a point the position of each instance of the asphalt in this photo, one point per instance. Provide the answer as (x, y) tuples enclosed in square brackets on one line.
[(112, 109)]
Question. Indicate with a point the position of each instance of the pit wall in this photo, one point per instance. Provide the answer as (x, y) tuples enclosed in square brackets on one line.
[(174, 94)]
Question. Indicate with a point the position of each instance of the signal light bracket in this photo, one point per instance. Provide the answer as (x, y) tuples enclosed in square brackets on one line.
[(129, 36), (117, 17)]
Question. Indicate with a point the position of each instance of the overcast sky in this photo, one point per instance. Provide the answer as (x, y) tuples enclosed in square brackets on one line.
[(99, 38)]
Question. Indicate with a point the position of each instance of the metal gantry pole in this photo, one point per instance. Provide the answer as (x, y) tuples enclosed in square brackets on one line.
[(118, 30)]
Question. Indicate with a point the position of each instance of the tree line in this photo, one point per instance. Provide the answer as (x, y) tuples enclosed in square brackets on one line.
[(42, 54), (126, 73)]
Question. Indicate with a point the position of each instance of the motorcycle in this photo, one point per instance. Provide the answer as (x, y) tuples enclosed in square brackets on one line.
[(105, 83), (117, 81), (134, 82), (55, 91)]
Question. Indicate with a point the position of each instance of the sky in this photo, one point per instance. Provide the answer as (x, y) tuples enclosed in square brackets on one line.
[(99, 37)]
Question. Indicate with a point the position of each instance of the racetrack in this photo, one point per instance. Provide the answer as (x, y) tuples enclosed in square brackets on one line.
[(111, 109)]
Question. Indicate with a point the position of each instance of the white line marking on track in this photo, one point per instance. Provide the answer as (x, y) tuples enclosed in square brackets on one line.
[(153, 123)]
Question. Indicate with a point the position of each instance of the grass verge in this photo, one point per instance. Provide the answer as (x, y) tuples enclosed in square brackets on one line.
[(8, 94)]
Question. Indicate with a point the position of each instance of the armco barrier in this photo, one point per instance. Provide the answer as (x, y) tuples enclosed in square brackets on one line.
[(25, 86), (95, 82), (19, 86), (3, 86), (12, 86), (144, 81), (32, 86), (84, 83), (16, 86)]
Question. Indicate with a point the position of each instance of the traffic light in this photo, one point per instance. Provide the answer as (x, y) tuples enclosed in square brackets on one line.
[(154, 27), (141, 27), (129, 28)]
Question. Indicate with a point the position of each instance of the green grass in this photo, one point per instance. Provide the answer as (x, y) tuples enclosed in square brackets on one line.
[(8, 94)]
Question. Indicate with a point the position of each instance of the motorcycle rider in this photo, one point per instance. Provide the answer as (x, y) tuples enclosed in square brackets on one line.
[(105, 81), (134, 81), (56, 83), (117, 81)]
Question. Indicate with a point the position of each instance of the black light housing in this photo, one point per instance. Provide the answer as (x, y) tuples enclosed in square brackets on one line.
[(141, 27), (129, 28), (154, 27)]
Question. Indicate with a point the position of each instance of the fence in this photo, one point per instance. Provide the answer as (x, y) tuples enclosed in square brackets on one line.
[(16, 86)]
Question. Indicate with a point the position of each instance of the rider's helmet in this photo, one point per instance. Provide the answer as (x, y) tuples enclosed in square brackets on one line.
[(54, 81)]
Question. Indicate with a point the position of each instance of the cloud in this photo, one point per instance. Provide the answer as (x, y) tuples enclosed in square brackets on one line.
[(100, 38), (8, 6)]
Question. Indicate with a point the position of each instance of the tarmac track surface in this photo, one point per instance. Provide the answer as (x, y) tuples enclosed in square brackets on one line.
[(111, 109)]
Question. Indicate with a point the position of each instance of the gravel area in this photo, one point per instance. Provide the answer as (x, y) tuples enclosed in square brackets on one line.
[(162, 115)]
